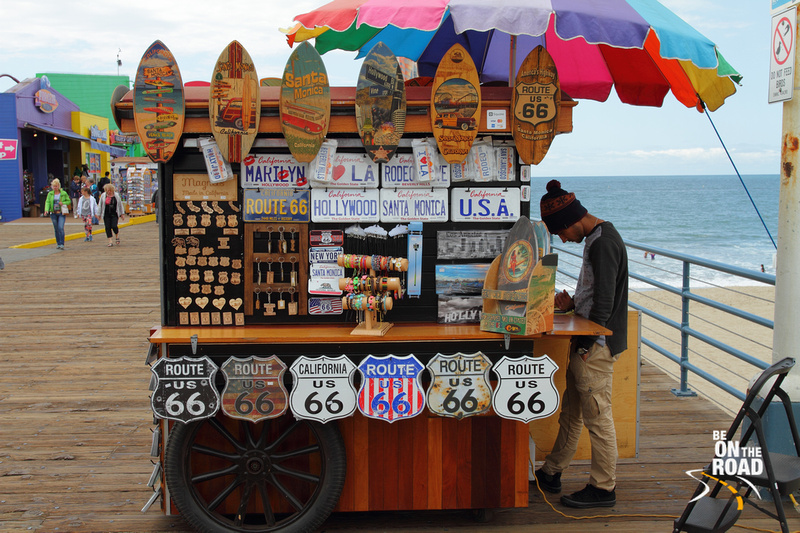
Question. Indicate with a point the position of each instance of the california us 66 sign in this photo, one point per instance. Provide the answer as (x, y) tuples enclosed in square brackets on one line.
[(460, 385), (390, 387), (525, 389), (184, 389), (323, 388), (254, 388)]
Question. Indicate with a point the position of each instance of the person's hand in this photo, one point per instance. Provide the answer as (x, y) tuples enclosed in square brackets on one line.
[(564, 301)]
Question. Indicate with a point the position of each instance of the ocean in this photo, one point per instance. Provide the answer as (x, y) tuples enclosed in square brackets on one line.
[(706, 216)]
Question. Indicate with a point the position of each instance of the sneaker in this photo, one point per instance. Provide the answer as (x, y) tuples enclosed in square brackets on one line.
[(2, 264), (548, 482), (590, 497)]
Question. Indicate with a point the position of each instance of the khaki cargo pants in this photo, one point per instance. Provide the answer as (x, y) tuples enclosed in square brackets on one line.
[(587, 402)]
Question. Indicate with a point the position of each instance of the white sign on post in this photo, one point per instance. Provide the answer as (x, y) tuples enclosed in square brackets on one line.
[(781, 57)]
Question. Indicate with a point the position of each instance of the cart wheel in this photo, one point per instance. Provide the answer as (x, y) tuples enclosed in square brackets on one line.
[(232, 475)]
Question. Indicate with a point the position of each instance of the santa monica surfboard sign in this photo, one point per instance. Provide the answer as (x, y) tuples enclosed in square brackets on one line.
[(401, 172), (350, 170), (455, 104), (390, 387), (254, 388), (525, 389), (158, 103), (273, 170), (536, 103), (485, 204), (380, 103), (184, 389), (305, 103), (234, 105), (323, 388), (460, 385), (345, 205), (520, 255)]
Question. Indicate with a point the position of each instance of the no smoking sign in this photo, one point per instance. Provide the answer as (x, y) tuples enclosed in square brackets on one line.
[(781, 61)]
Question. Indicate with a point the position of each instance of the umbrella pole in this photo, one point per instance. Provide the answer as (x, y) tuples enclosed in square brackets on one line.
[(512, 59)]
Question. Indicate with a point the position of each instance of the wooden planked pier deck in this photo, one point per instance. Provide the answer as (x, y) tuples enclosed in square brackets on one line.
[(75, 418)]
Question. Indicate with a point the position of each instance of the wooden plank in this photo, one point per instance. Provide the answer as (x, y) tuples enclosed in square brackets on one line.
[(376, 464), (419, 451), (463, 451), (361, 467), (347, 498), (435, 463), (391, 462), (449, 464)]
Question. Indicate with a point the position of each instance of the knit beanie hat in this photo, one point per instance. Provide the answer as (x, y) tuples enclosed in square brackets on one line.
[(560, 209)]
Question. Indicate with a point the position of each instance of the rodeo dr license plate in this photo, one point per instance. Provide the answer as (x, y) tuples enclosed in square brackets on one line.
[(184, 389)]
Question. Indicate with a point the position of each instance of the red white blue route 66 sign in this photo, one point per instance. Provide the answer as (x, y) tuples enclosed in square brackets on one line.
[(254, 388), (390, 387), (323, 388), (184, 389), (525, 389), (460, 385)]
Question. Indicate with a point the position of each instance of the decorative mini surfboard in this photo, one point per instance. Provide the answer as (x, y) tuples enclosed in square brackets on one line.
[(536, 104), (380, 103), (234, 105), (542, 237), (305, 103), (158, 103), (520, 255), (455, 104)]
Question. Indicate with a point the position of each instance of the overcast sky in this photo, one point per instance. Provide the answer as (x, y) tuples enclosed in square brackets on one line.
[(609, 138)]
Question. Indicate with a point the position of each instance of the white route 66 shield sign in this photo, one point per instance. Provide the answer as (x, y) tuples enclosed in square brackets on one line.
[(525, 389), (323, 388), (184, 389), (254, 388), (390, 387), (460, 385)]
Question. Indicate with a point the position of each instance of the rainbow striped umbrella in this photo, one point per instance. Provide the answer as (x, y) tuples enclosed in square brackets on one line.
[(638, 47)]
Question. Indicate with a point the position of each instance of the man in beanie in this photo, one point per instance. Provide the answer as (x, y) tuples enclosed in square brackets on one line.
[(601, 295)]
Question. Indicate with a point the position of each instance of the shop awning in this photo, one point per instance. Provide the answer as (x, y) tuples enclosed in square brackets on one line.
[(58, 131)]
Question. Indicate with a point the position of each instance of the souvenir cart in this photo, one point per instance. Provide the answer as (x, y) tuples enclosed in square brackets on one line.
[(322, 271)]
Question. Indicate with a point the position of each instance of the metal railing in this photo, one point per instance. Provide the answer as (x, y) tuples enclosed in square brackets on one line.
[(687, 297)]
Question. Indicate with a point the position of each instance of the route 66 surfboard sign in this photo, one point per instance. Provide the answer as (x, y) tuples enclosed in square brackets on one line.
[(390, 387), (323, 388), (460, 385), (184, 389), (525, 389), (254, 388)]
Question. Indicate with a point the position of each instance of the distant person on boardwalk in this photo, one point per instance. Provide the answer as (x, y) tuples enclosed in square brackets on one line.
[(101, 185), (601, 295), (87, 208), (111, 210), (57, 206), (652, 256), (155, 201), (75, 193)]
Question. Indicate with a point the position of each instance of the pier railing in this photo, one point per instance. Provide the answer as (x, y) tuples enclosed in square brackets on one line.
[(691, 321)]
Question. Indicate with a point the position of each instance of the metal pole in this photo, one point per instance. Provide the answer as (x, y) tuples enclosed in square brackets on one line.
[(786, 334), (685, 289)]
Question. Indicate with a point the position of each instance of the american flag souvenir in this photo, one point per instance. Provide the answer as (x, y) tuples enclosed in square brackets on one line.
[(390, 387), (325, 306)]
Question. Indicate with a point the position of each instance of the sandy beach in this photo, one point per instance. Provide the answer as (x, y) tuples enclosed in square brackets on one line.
[(750, 338)]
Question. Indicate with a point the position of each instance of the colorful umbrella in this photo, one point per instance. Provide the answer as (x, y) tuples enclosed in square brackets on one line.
[(639, 47)]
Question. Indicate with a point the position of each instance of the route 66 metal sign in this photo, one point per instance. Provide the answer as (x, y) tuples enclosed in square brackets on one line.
[(184, 389), (323, 388), (390, 387), (525, 389), (254, 388), (460, 385)]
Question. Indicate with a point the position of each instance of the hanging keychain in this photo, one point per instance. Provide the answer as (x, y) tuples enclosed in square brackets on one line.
[(282, 240), (293, 272), (292, 241), (270, 273), (258, 287), (280, 260), (292, 303), (257, 292), (281, 301), (269, 307), (269, 239)]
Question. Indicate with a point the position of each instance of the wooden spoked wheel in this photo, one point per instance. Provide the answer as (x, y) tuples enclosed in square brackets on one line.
[(232, 475)]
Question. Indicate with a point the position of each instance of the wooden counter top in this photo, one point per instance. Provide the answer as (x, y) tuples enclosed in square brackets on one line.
[(563, 325)]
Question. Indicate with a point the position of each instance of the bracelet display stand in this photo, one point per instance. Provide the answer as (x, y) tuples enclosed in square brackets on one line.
[(370, 293)]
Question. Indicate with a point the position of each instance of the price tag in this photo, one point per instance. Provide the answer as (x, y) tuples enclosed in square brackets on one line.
[(390, 387), (323, 388), (460, 385), (525, 389), (184, 389), (254, 388)]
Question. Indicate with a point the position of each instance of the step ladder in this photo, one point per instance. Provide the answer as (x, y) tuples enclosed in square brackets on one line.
[(718, 510)]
